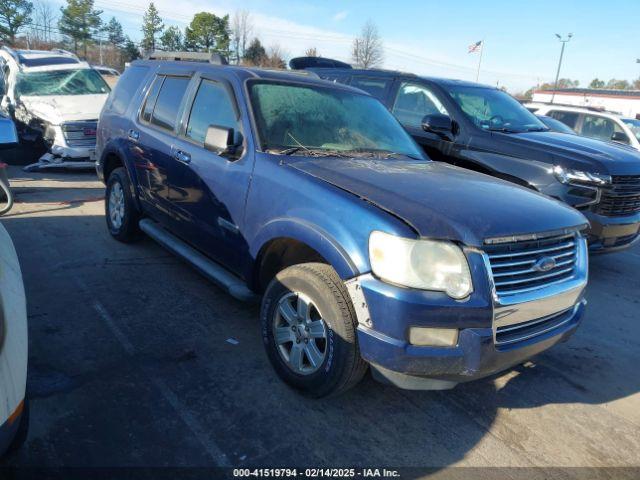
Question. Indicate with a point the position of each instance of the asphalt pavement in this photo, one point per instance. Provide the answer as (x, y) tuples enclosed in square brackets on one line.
[(136, 360)]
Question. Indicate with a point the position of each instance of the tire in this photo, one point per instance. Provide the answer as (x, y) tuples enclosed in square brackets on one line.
[(324, 358), (23, 429), (120, 210)]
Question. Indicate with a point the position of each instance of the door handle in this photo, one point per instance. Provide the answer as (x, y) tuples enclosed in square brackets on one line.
[(182, 156), (134, 135)]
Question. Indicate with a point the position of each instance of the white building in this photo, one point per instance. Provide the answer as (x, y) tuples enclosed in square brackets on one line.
[(624, 102)]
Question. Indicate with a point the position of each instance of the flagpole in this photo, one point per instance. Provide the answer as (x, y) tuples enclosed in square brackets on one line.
[(480, 60)]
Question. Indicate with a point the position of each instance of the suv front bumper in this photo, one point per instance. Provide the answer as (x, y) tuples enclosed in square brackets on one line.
[(485, 343), (610, 234)]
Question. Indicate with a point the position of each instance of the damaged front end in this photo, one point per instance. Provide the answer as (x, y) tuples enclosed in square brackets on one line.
[(69, 145)]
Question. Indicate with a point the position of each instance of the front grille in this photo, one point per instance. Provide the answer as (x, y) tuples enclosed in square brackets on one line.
[(80, 134), (523, 266), (510, 334), (621, 197)]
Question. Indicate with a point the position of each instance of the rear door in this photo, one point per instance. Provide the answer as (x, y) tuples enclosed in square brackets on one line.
[(152, 140), (206, 190)]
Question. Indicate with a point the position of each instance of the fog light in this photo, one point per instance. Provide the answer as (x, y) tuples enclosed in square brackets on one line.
[(435, 337)]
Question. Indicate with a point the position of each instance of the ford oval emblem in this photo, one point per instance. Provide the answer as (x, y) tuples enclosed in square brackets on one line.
[(544, 264)]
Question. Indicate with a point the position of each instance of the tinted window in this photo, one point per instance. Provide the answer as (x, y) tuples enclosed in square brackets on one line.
[(151, 98), (375, 86), (335, 78), (127, 87), (568, 118), (598, 127), (165, 111), (212, 106), (414, 102)]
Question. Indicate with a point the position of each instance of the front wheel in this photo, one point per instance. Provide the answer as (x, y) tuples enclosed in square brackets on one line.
[(309, 330)]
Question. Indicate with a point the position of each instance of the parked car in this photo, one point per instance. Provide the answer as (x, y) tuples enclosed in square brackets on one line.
[(313, 196), (14, 408), (593, 123), (55, 100), (485, 129), (110, 75), (555, 125), (8, 141)]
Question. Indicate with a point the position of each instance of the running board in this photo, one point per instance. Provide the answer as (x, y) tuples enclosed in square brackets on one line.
[(207, 267)]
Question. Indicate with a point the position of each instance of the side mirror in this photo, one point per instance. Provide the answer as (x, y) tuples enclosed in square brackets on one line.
[(620, 137), (222, 141), (438, 124)]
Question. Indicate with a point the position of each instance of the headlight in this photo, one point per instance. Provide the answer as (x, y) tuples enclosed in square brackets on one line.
[(423, 264), (566, 175)]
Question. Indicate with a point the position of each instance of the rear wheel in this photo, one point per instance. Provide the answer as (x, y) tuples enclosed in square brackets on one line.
[(122, 215), (309, 330)]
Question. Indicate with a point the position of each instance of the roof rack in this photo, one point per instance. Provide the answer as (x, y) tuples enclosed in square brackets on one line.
[(64, 52), (214, 58)]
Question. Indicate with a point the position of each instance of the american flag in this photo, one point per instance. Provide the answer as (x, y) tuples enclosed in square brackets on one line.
[(474, 47)]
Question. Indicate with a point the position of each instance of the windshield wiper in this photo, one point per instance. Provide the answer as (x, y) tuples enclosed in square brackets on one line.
[(503, 130), (538, 129), (381, 153)]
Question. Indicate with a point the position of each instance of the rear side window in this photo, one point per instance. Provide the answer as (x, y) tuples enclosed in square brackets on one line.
[(127, 87), (151, 98), (212, 106), (165, 111), (568, 118), (167, 105), (377, 87)]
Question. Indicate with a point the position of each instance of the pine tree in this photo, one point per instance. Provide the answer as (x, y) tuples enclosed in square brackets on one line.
[(114, 32), (208, 32), (152, 25), (171, 39), (14, 14), (80, 22)]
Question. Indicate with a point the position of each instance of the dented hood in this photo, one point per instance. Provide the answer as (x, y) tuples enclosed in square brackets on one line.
[(442, 201), (57, 109)]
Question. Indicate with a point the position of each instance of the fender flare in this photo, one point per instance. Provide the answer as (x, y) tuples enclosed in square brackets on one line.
[(309, 234), (118, 150)]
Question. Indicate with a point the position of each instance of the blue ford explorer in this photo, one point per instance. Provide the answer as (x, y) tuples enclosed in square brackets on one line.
[(365, 253)]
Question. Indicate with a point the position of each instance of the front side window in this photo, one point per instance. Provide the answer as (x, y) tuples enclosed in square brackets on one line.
[(166, 109), (84, 81), (212, 106), (374, 86), (634, 125), (316, 119), (570, 119), (413, 102), (600, 128), (495, 110)]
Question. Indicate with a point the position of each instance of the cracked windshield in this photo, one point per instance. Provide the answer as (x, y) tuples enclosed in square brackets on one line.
[(61, 82)]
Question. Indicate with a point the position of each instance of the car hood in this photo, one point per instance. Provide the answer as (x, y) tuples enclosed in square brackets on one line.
[(579, 153), (57, 109), (442, 201)]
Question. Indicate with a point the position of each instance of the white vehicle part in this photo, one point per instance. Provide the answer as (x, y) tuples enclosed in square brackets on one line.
[(13, 321)]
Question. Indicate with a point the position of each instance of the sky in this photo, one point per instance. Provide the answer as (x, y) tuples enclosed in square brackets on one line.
[(432, 37)]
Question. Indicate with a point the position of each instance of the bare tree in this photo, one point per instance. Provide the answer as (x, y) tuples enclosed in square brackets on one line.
[(368, 50), (275, 57), (241, 30), (311, 52), (45, 18)]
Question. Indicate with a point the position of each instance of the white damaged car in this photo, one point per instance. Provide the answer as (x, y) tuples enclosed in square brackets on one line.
[(14, 412), (54, 98)]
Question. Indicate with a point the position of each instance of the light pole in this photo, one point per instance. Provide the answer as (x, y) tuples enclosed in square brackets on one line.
[(564, 42)]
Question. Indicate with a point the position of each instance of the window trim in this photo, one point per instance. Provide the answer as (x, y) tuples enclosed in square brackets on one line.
[(150, 124)]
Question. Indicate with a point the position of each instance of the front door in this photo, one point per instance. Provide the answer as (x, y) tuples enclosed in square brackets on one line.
[(208, 191)]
